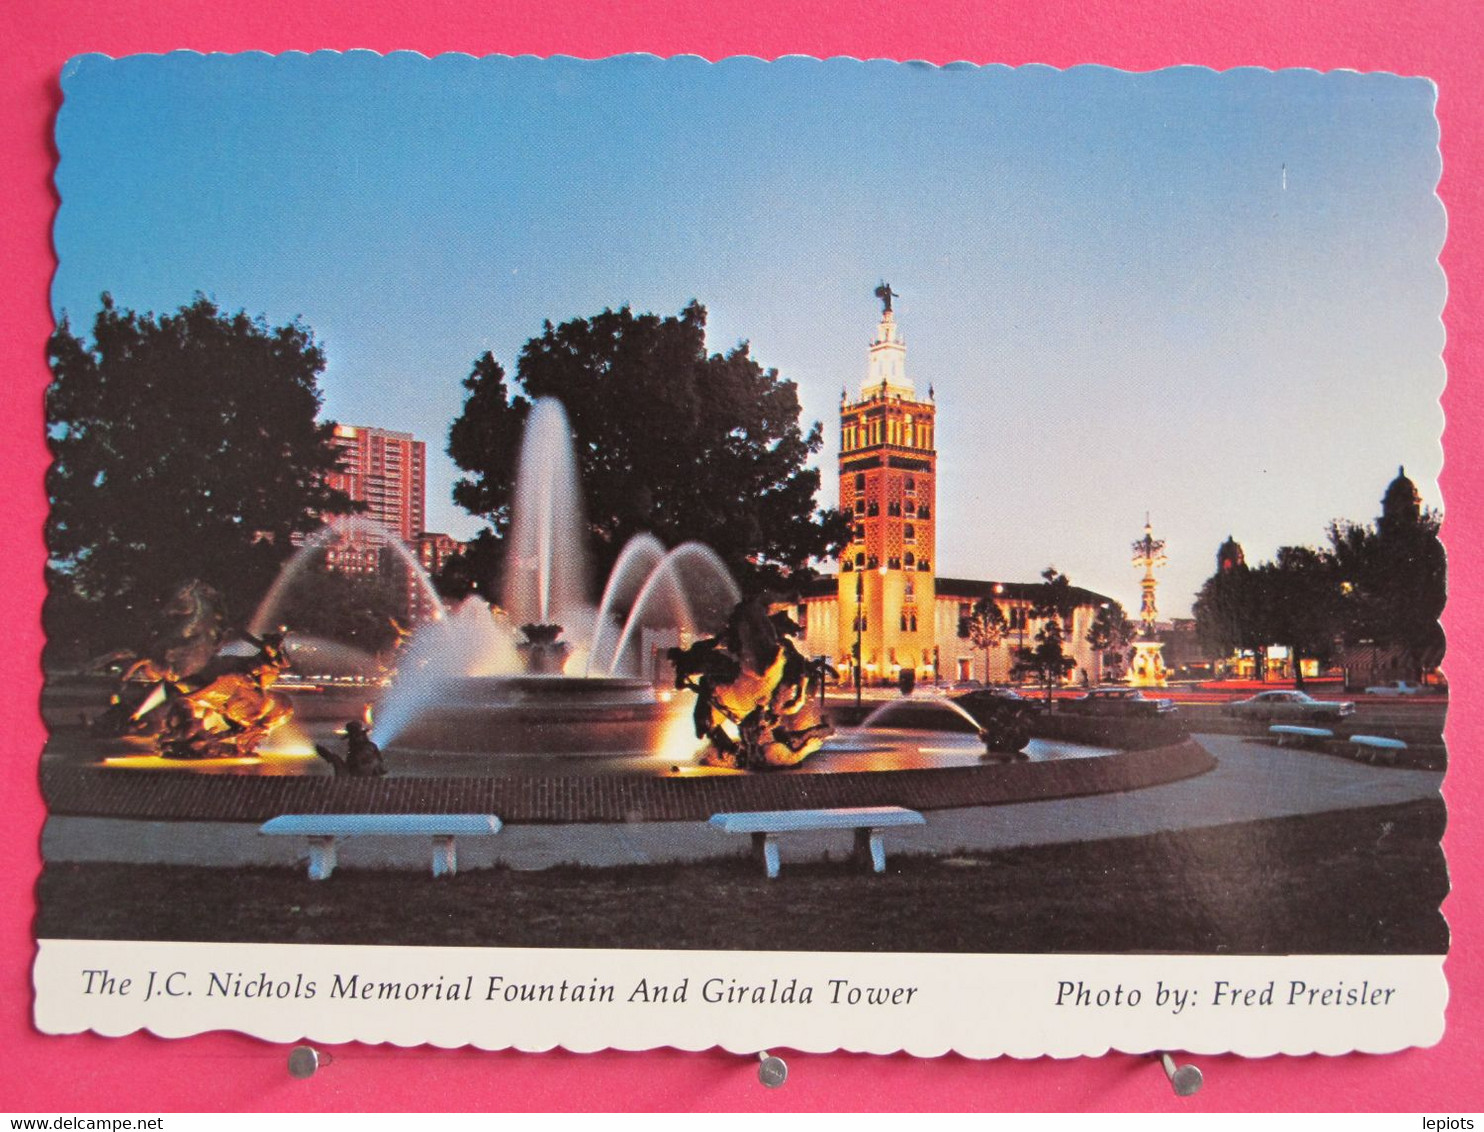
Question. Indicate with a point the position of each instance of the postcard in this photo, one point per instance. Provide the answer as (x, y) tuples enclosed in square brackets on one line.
[(813, 554)]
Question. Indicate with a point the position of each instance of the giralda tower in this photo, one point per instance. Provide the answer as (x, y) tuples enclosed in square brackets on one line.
[(888, 477)]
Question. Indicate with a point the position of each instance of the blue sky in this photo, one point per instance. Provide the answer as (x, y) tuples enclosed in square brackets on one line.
[(1213, 297)]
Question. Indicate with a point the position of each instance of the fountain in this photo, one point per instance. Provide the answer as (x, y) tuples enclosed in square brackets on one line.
[(545, 683), (547, 674)]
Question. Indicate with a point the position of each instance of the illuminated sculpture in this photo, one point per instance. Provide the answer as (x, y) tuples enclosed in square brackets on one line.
[(193, 702), (757, 702)]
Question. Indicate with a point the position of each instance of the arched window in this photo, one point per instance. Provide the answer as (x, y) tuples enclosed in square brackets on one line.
[(873, 562), (860, 506), (893, 563), (910, 509), (860, 561), (910, 561), (911, 590), (911, 485), (860, 532), (909, 533), (924, 565)]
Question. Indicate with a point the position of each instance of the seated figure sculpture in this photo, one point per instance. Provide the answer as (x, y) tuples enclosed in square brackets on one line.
[(756, 693), (362, 757)]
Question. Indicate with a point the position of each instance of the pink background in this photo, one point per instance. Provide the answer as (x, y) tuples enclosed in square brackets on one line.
[(1438, 39)]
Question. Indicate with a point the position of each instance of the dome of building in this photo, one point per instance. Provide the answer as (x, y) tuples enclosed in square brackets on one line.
[(1402, 503), (1229, 555)]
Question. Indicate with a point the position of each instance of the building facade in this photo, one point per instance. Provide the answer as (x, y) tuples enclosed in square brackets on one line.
[(886, 597), (386, 471)]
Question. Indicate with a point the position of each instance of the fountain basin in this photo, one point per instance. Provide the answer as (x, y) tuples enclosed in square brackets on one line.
[(495, 716)]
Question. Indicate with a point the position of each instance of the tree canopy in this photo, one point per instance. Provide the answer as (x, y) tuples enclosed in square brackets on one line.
[(185, 446), (1393, 577), (1049, 662), (670, 439), (1381, 584)]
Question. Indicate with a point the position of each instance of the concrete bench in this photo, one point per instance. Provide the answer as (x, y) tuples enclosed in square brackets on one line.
[(1375, 749), (1301, 735), (868, 822), (324, 830)]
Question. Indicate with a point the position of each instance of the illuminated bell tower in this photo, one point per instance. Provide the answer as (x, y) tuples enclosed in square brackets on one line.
[(888, 485)]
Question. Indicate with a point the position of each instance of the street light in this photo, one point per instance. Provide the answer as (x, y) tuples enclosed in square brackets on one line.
[(859, 598)]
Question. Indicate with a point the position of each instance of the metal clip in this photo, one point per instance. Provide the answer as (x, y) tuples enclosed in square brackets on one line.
[(771, 1071), (1186, 1080)]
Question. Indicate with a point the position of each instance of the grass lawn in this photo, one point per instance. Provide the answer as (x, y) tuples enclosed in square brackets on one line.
[(1355, 881)]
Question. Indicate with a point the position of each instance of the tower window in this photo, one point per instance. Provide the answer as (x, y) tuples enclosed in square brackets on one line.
[(860, 532), (894, 509), (860, 481), (873, 508), (910, 561), (873, 562), (911, 485), (860, 561), (909, 533), (924, 565), (910, 509), (924, 512), (893, 563), (860, 506), (911, 590)]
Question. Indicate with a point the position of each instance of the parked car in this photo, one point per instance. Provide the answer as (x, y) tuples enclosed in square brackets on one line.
[(1117, 701), (1396, 688), (1289, 706), (997, 696)]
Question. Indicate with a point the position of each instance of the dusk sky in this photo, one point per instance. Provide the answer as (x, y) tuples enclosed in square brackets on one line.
[(1212, 297)]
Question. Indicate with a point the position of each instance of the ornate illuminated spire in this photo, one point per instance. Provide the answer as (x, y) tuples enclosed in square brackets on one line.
[(1149, 552)]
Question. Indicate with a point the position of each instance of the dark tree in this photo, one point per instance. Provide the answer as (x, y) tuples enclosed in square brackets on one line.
[(185, 446), (1048, 661), (364, 610), (1230, 615), (1054, 597), (986, 628), (1300, 598), (1393, 577), (670, 439), (1111, 634)]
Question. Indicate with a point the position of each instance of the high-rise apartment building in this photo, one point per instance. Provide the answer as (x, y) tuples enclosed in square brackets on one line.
[(386, 471)]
